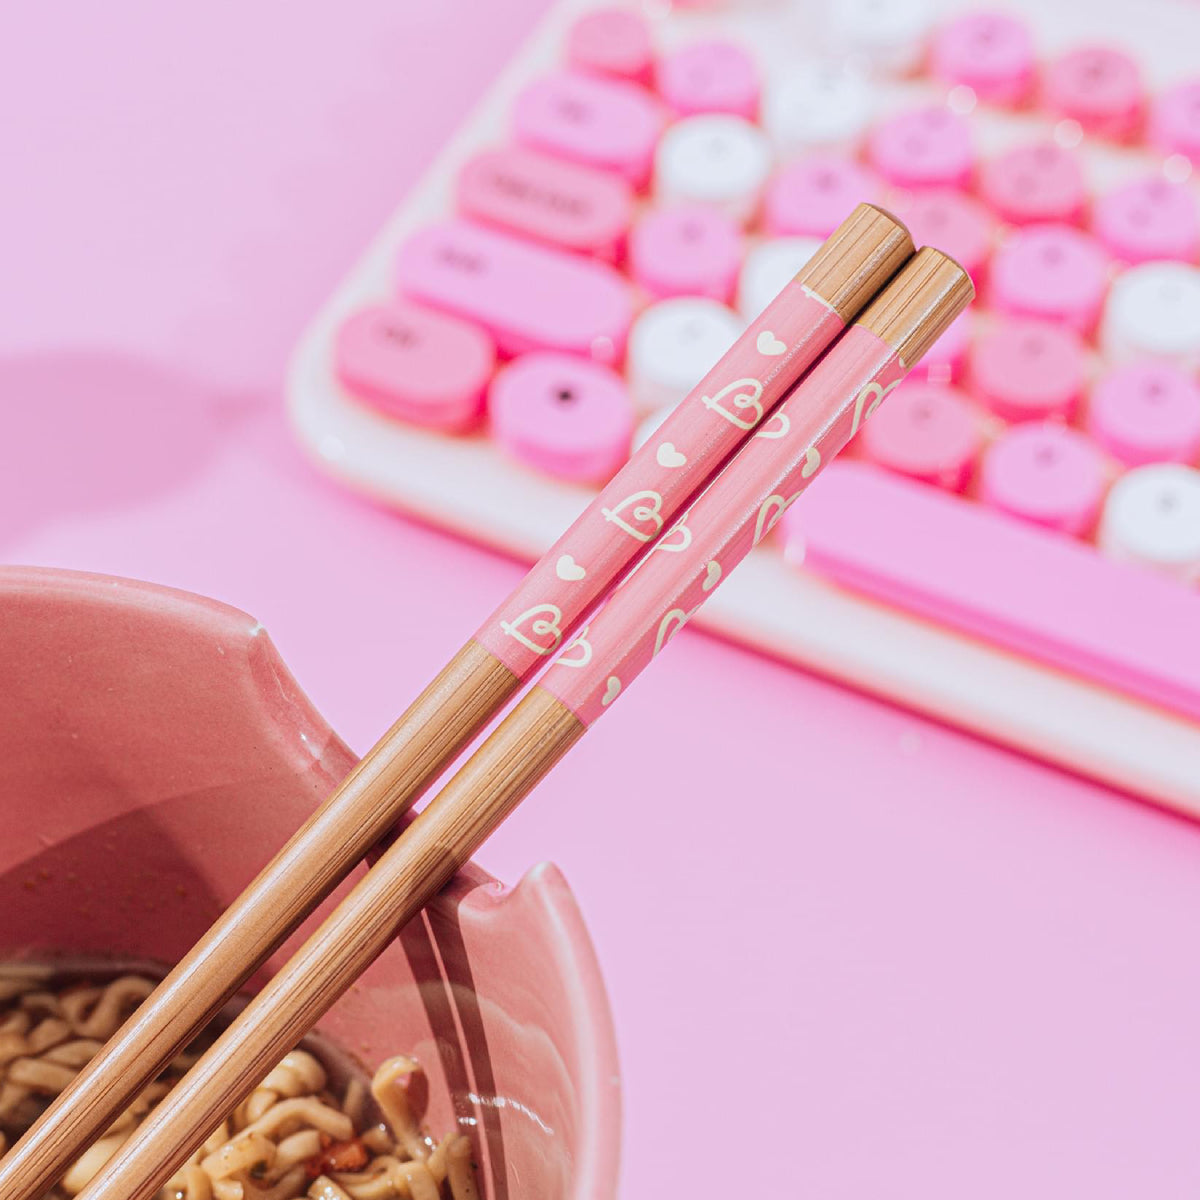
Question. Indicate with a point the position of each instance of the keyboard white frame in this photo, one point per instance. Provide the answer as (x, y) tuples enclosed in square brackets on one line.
[(785, 612)]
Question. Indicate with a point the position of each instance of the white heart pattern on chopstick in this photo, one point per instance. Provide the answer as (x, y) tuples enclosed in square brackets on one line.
[(668, 456), (568, 569), (767, 343), (611, 690)]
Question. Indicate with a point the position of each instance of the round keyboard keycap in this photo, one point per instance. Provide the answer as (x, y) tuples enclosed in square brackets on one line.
[(422, 366), (612, 41), (1147, 412), (817, 105), (926, 432), (889, 33), (768, 267), (563, 415), (1174, 122), (710, 77), (1153, 517), (1042, 182), (1154, 311), (989, 52), (954, 223), (943, 361), (1148, 219), (1027, 370), (812, 196), (686, 250), (1047, 474), (1055, 272), (926, 147), (673, 344), (715, 159), (1098, 86)]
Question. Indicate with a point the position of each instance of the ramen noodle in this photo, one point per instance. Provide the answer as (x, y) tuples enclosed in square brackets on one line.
[(292, 1137)]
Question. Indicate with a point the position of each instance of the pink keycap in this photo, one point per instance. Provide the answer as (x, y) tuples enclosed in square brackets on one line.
[(605, 123), (1042, 182), (528, 297), (686, 250), (1147, 412), (925, 147), (569, 418), (943, 362), (989, 52), (977, 570), (1025, 370), (1174, 122), (612, 41), (924, 431), (811, 197), (1148, 218), (563, 203), (1098, 86), (422, 366), (1051, 271), (705, 77), (953, 222), (1047, 474)]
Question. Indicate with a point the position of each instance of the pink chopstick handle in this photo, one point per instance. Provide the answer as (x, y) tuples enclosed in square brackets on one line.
[(651, 489), (725, 523)]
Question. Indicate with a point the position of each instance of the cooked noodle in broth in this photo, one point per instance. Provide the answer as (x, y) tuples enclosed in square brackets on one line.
[(292, 1137)]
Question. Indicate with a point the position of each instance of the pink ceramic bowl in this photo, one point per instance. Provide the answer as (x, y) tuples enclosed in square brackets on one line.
[(155, 751)]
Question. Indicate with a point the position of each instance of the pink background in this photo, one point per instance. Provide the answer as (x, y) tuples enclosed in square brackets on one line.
[(878, 958)]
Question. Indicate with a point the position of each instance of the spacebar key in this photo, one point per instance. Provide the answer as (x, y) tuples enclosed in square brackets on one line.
[(1021, 587)]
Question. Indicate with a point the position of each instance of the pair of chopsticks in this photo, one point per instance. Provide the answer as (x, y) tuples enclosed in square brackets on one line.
[(667, 529)]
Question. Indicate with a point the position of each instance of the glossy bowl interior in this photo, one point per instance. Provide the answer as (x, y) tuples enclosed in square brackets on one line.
[(154, 753)]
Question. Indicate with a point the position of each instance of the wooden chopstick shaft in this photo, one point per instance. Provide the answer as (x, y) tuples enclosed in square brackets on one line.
[(443, 719), (538, 732)]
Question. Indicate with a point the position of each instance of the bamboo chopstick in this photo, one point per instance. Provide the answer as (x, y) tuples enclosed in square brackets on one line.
[(727, 520), (777, 348)]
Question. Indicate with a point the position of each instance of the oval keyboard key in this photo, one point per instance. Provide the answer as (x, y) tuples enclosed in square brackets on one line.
[(943, 361), (1147, 412), (546, 198), (926, 432), (989, 52), (1153, 517), (422, 366), (600, 122), (889, 33), (527, 296), (1028, 370), (710, 77), (686, 250), (1148, 218), (1042, 182), (1047, 474), (925, 147), (767, 269), (1154, 311), (673, 344), (570, 418), (1022, 587), (714, 159), (953, 222), (817, 106), (1055, 272), (1098, 86), (612, 41), (1174, 121), (812, 196)]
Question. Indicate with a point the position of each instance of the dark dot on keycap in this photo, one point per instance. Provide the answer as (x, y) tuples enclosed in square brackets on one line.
[(718, 147), (572, 110), (1093, 71), (1025, 182), (1032, 345), (1168, 501), (400, 334), (692, 331), (1045, 156), (1155, 391), (691, 231), (1045, 456), (915, 144), (825, 181), (921, 413), (1139, 216), (565, 395), (1053, 256)]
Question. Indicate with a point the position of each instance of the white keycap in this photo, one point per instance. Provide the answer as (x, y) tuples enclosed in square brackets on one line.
[(673, 344), (716, 159), (767, 268), (1153, 310), (887, 33), (1152, 516), (816, 105)]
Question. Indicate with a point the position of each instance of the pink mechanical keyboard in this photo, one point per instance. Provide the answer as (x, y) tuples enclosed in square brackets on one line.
[(1013, 542)]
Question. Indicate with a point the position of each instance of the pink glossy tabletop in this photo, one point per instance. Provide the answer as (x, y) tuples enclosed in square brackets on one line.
[(853, 952)]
